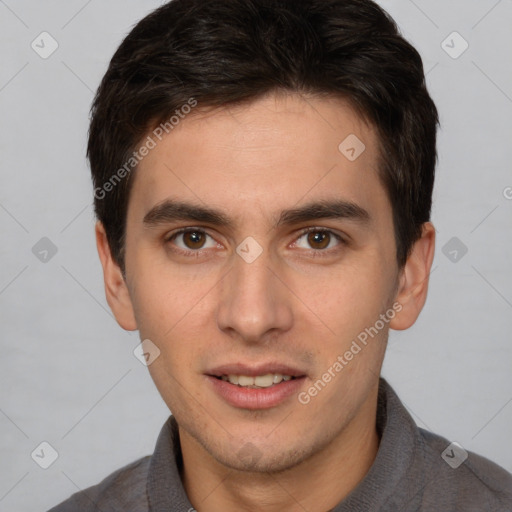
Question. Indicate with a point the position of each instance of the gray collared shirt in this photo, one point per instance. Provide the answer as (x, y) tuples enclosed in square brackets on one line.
[(414, 471)]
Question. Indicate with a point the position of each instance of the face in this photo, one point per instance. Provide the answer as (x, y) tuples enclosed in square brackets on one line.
[(284, 258)]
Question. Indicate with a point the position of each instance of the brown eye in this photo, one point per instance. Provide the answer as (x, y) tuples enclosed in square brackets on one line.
[(191, 241), (194, 239), (319, 239)]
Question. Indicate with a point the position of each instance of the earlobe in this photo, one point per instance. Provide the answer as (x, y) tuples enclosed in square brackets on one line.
[(414, 278), (116, 290)]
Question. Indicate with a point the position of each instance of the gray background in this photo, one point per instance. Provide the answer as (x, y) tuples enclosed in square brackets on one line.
[(68, 375)]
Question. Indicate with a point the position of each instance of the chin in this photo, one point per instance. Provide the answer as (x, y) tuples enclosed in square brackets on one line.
[(252, 459), (261, 455)]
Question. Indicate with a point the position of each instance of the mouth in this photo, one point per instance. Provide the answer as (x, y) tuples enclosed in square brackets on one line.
[(255, 387), (259, 382)]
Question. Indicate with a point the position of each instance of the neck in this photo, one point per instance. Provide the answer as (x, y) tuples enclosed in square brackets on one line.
[(318, 484)]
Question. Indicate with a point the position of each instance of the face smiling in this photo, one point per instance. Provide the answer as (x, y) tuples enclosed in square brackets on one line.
[(255, 178)]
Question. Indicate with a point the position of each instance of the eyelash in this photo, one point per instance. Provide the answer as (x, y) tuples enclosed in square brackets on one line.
[(202, 252)]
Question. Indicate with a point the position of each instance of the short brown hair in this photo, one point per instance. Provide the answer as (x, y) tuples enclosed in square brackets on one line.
[(226, 52)]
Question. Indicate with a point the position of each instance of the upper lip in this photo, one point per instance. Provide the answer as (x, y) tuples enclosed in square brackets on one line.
[(253, 370)]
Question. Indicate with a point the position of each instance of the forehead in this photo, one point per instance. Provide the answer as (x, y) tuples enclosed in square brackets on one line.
[(262, 157)]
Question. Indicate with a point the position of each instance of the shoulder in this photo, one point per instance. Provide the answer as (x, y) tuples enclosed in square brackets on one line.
[(464, 479), (122, 490)]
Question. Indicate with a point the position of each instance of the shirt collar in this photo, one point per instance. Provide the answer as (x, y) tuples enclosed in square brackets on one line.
[(396, 477), (164, 486)]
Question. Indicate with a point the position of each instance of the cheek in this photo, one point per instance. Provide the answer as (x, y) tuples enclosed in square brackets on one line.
[(178, 337), (348, 298), (165, 296)]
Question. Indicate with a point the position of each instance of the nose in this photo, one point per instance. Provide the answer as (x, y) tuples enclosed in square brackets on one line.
[(255, 303)]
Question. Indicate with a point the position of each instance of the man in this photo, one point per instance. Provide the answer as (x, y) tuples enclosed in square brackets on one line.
[(263, 174)]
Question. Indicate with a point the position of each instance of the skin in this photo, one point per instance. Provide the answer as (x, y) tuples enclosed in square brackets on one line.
[(290, 305)]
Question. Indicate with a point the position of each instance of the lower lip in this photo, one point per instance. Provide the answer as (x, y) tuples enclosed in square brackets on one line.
[(256, 398)]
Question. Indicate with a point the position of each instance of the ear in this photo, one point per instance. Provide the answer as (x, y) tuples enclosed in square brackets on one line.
[(116, 291), (413, 281)]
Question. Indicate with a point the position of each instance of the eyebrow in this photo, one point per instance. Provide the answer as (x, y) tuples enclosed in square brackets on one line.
[(171, 210)]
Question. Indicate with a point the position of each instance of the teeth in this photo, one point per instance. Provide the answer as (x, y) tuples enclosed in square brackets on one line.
[(261, 381), (265, 381), (233, 379), (243, 380)]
